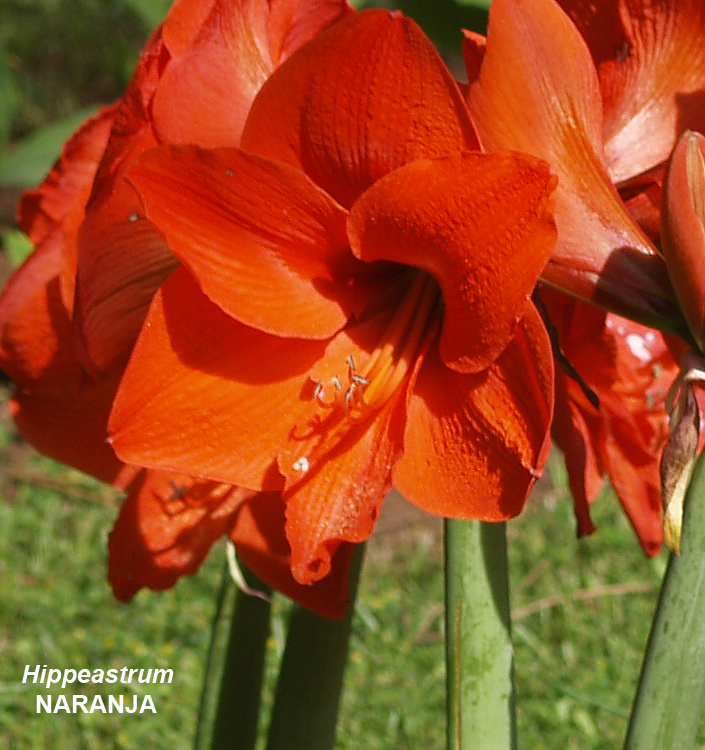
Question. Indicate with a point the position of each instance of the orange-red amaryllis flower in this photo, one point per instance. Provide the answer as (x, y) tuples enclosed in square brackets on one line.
[(168, 522), (630, 368), (194, 83), (602, 107), (353, 308)]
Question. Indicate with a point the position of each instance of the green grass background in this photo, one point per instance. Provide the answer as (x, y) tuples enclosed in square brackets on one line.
[(582, 610)]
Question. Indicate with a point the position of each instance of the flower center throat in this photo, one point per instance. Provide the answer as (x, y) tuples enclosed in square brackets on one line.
[(344, 401)]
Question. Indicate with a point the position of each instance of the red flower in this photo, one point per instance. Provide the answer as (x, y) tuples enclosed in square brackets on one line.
[(611, 87), (168, 522), (353, 308), (604, 109), (194, 83)]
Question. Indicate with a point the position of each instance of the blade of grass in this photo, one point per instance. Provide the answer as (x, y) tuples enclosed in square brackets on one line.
[(479, 655)]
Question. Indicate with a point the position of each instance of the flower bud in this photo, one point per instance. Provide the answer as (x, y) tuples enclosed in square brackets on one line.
[(677, 465), (683, 229)]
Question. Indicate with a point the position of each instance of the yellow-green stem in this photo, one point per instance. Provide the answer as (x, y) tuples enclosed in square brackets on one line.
[(479, 656)]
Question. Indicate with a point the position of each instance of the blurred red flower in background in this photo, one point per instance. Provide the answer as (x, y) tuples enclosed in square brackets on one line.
[(630, 369)]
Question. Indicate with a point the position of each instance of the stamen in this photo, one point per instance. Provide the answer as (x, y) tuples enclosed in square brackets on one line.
[(386, 374), (416, 320)]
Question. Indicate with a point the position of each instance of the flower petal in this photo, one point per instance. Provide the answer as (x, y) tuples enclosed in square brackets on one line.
[(122, 260), (262, 546), (165, 529), (69, 183), (475, 444), (575, 437), (630, 368), (205, 395), (651, 64), (683, 228), (213, 76), (35, 325), (634, 472), (363, 98), (340, 498), (538, 93), (266, 244), (56, 406), (70, 426), (481, 225), (642, 197)]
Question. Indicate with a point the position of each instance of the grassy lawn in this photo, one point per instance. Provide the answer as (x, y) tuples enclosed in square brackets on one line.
[(581, 608)]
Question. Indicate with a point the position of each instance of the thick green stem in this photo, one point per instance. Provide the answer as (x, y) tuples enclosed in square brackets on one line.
[(230, 703), (479, 656), (671, 692), (305, 711)]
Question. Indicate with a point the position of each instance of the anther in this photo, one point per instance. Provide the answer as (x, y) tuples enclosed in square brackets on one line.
[(177, 492)]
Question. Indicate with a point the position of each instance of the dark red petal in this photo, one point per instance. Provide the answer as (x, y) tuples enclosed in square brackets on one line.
[(634, 472), (575, 438), (165, 529), (69, 183), (363, 98), (69, 425), (122, 260)]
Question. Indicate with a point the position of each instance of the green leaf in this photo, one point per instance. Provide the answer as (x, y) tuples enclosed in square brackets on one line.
[(26, 164), (17, 246), (443, 20), (8, 98), (150, 12), (484, 4)]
